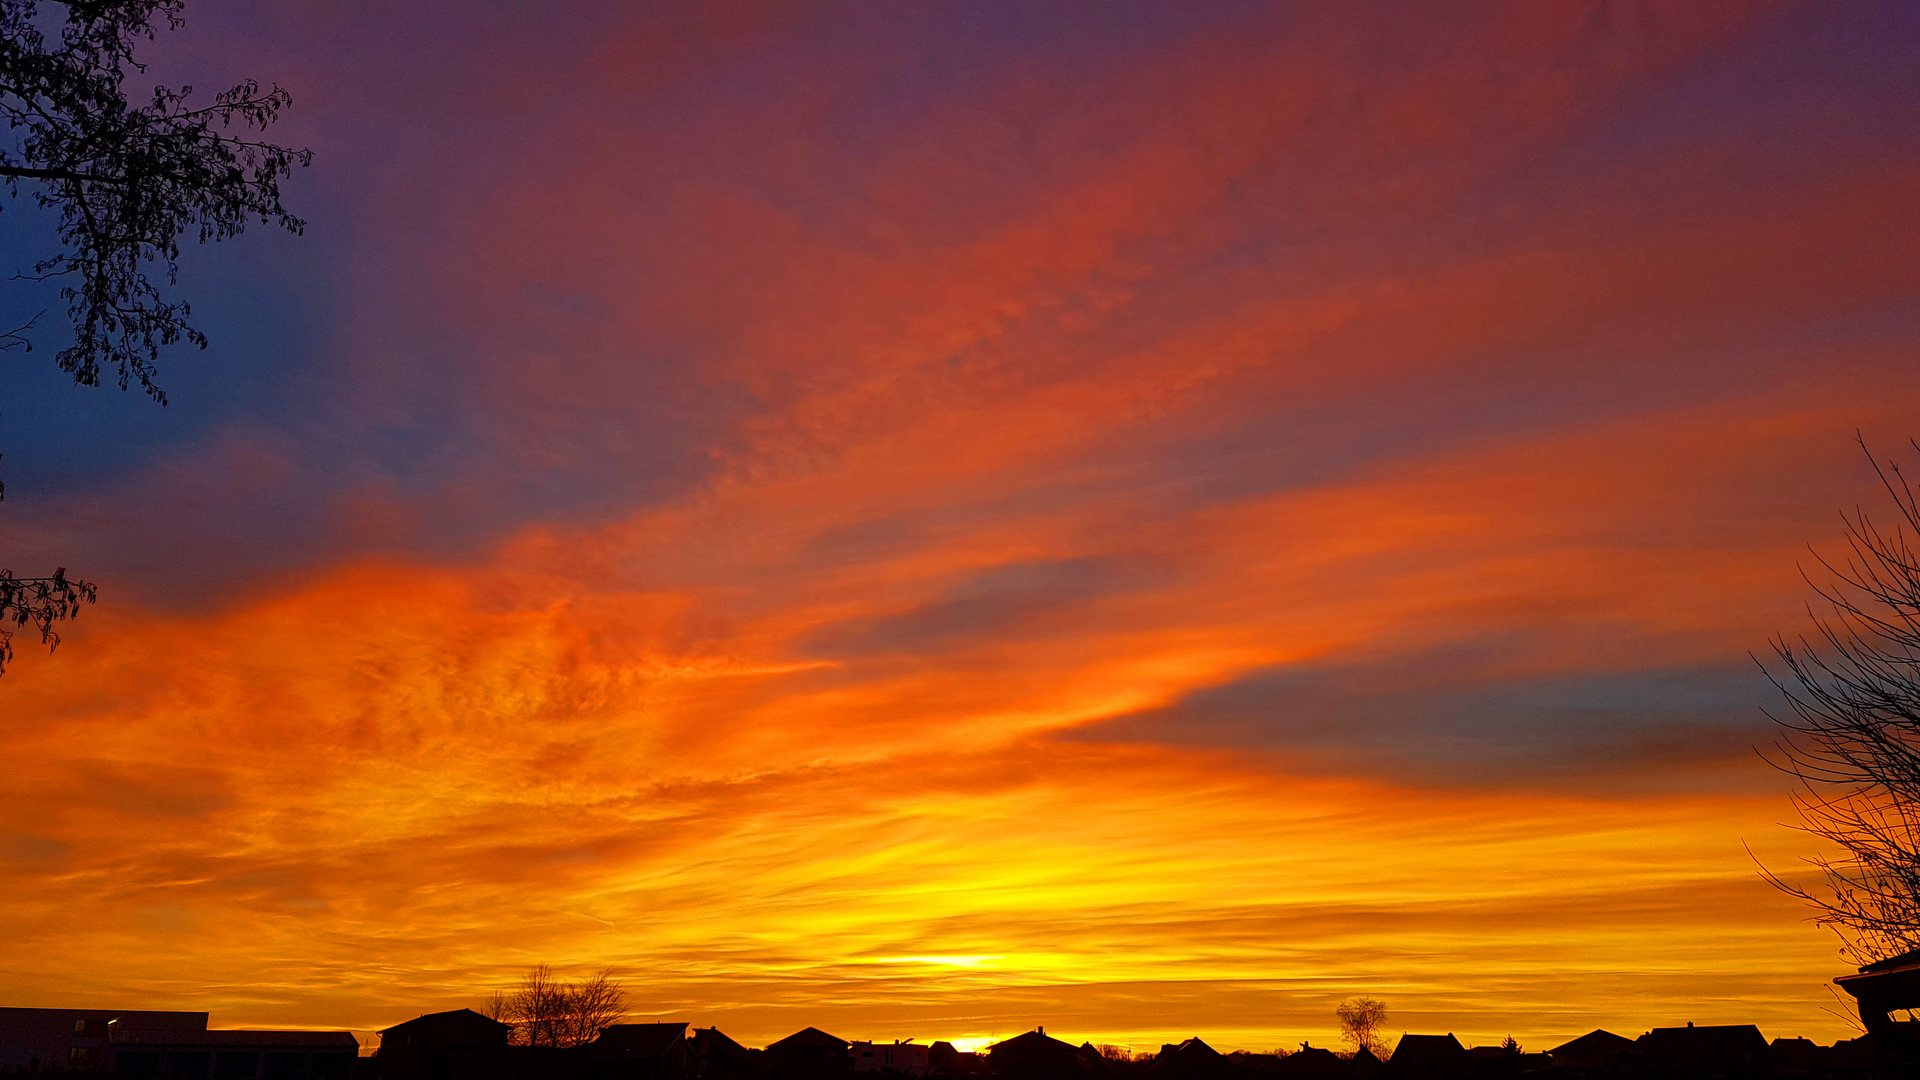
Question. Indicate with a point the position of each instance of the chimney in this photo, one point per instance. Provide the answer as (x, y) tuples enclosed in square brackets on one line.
[(1041, 1029)]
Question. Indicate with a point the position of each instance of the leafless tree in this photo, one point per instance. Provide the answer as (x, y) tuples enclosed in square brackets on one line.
[(1852, 729), (548, 1011), (1360, 1020)]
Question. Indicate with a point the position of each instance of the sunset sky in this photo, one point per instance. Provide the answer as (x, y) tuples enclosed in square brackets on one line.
[(929, 519)]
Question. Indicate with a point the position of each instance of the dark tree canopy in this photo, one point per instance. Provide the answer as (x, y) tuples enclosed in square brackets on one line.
[(126, 180), (1852, 729)]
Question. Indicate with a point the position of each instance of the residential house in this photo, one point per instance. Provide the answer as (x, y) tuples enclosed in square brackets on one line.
[(808, 1052), (907, 1057)]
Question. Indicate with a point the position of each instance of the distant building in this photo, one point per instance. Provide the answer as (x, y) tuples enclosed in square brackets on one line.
[(639, 1052), (1363, 1063), (1311, 1061), (717, 1057), (1430, 1057), (76, 1038), (141, 1043), (908, 1057), (808, 1052), (455, 1028), (1597, 1049), (1035, 1054), (1190, 1060), (1252, 1062), (235, 1055), (459, 1044), (944, 1059)]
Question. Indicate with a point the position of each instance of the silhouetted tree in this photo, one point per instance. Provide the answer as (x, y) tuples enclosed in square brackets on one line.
[(547, 1011), (1360, 1019), (1852, 730), (39, 602), (124, 182)]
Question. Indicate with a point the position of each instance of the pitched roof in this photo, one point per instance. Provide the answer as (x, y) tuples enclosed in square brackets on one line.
[(465, 1018), (1191, 1058), (1719, 1044), (1364, 1061), (713, 1041), (1593, 1044), (809, 1038), (1035, 1041), (230, 1037), (1311, 1061), (637, 1040), (1797, 1053), (1428, 1053)]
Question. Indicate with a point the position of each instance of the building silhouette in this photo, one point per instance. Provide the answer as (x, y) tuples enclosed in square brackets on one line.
[(178, 1045)]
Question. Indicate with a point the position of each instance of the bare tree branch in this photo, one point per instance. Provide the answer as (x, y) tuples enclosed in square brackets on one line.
[(547, 1011), (1851, 729)]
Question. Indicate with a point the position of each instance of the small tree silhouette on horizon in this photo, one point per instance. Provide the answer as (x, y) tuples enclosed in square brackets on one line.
[(548, 1011), (1360, 1020)]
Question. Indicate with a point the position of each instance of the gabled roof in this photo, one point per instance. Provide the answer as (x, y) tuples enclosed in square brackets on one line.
[(438, 1025), (1035, 1041), (1797, 1053), (1594, 1043), (1364, 1061), (713, 1041), (1429, 1053), (1192, 1060), (1311, 1061), (637, 1040), (810, 1038), (1720, 1044)]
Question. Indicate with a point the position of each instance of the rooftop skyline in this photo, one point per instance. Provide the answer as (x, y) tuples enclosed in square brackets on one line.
[(927, 519)]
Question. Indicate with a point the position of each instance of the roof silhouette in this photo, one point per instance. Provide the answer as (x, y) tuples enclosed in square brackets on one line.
[(1192, 1058), (1311, 1061), (1035, 1040), (637, 1040), (455, 1027), (1594, 1043), (810, 1038), (1430, 1054), (1717, 1046)]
